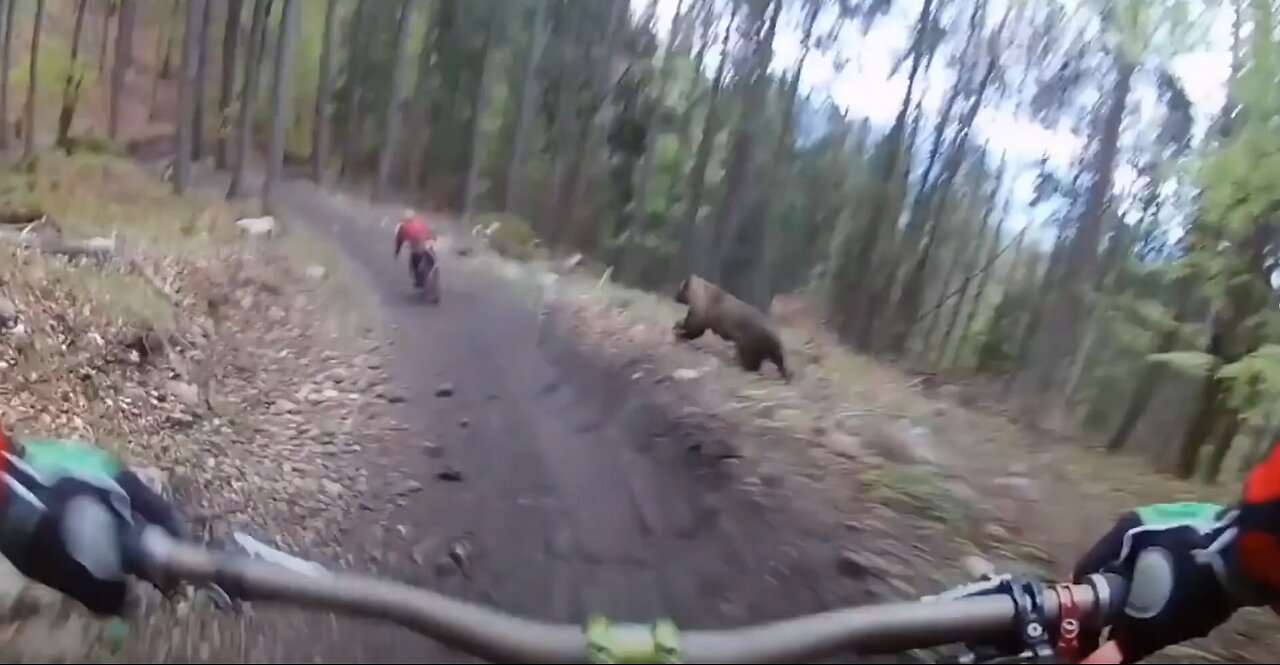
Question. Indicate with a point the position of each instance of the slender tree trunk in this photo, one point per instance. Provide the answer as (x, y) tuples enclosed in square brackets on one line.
[(1059, 338), (33, 75), (202, 68), (528, 102), (282, 97), (639, 208), (72, 83), (420, 108), (351, 133), (324, 95), (1150, 377), (227, 85), (248, 98), (395, 104), (479, 108), (120, 66), (6, 63), (187, 95), (107, 12), (695, 244)]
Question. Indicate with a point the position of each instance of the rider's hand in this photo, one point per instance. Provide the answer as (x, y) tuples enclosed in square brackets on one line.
[(1175, 594), (67, 510)]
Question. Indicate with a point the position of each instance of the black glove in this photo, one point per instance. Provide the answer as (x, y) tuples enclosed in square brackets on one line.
[(1175, 593), (66, 516)]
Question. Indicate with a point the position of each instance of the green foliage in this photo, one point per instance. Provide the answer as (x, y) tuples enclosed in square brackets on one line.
[(1194, 363)]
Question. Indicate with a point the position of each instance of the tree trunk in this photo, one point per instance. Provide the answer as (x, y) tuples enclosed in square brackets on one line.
[(351, 133), (282, 96), (227, 85), (685, 125), (639, 208), (6, 63), (187, 95), (120, 66), (695, 241), (72, 83), (1060, 337), (477, 127), (528, 106), (395, 104), (202, 68), (248, 97), (33, 74), (107, 12), (420, 107), (324, 95), (733, 248), (860, 269), (570, 185)]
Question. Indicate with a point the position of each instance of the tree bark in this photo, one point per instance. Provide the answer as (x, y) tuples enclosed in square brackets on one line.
[(187, 95), (477, 127), (227, 85), (6, 63), (108, 11), (324, 95), (694, 245), (202, 68), (1060, 337), (351, 133), (248, 97), (282, 96), (120, 66), (386, 158), (73, 82), (528, 101), (29, 123)]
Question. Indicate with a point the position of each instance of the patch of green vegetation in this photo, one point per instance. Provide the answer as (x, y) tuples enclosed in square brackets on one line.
[(918, 491), (510, 236), (128, 297), (89, 194)]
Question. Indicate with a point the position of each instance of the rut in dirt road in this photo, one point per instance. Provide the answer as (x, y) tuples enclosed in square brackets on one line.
[(577, 494)]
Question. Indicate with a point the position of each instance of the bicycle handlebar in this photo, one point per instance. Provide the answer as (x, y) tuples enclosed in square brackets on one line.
[(501, 637)]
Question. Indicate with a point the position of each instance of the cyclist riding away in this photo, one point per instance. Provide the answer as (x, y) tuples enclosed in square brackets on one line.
[(1190, 566), (414, 230)]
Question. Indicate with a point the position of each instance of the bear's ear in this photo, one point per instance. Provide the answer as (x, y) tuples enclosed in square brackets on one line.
[(682, 291)]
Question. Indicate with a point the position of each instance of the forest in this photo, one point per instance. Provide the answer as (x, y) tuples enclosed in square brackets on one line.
[(1122, 287)]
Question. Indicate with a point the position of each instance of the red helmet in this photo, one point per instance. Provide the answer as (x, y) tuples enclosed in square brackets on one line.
[(1258, 543)]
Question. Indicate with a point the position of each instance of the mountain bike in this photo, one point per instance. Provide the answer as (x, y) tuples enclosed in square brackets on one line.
[(998, 619), (424, 267)]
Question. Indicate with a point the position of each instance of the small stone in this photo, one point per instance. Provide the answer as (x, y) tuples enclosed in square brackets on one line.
[(185, 393), (464, 423), (316, 272), (8, 313), (450, 474), (411, 487), (283, 406), (685, 374), (445, 390)]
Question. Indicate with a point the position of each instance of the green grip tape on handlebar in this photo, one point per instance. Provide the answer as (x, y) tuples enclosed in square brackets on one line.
[(632, 643)]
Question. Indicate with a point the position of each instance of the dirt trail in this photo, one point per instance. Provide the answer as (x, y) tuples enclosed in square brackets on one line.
[(577, 493)]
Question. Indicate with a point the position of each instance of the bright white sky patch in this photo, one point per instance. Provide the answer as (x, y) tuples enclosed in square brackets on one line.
[(865, 88)]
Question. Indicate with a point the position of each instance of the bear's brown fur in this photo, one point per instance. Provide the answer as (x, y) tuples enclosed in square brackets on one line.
[(711, 308)]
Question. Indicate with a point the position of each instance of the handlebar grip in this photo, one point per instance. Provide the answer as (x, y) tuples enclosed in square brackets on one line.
[(1112, 591)]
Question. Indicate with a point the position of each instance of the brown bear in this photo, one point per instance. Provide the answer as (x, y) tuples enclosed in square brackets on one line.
[(710, 307)]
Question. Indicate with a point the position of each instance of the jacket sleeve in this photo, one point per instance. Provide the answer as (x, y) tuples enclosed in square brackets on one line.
[(399, 237)]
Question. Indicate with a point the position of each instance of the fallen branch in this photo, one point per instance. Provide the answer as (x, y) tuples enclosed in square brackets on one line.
[(99, 248), (964, 283)]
